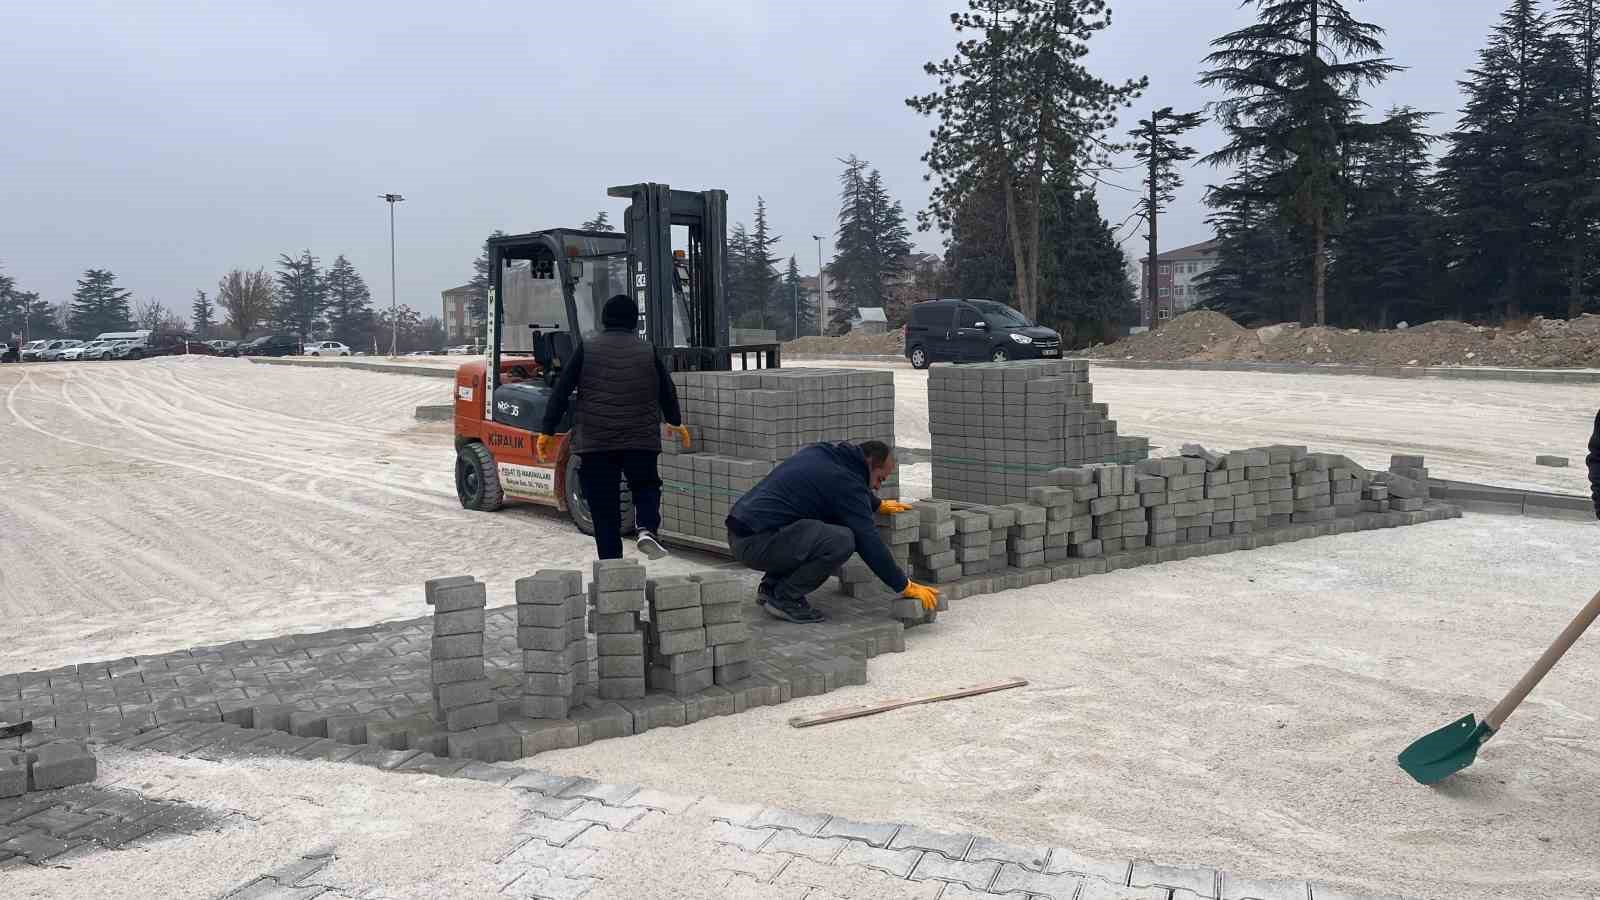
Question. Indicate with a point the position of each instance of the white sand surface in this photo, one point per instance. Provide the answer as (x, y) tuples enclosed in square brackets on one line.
[(1483, 431), (1242, 711), (166, 503)]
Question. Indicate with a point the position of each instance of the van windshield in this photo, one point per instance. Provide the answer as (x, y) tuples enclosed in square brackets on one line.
[(1000, 313)]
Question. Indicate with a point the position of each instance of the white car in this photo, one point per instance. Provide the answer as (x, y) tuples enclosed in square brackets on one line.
[(91, 350), (463, 350), (54, 350), (327, 348), (32, 349)]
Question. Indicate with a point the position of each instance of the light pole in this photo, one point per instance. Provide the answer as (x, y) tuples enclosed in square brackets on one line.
[(394, 309), (822, 288)]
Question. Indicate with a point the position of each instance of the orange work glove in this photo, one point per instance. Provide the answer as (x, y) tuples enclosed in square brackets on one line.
[(927, 596), (681, 432), (890, 507), (545, 446)]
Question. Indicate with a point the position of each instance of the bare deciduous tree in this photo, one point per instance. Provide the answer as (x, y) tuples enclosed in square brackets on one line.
[(247, 298)]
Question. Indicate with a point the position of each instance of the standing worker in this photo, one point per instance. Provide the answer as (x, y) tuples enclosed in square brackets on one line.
[(624, 394), (805, 519)]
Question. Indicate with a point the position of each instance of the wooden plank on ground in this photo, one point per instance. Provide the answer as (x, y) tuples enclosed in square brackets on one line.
[(856, 712)]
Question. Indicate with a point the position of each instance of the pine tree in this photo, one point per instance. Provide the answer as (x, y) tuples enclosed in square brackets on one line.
[(761, 269), (598, 223), (1260, 267), (741, 310), (201, 314), (302, 294), (870, 246), (1014, 106), (98, 305), (1579, 23), (1293, 79), (801, 317), (1389, 260), (1498, 176), (349, 304), (482, 268), (1156, 147)]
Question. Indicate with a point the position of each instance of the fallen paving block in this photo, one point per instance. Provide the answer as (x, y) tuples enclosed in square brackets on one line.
[(60, 764), (1558, 462), (13, 773)]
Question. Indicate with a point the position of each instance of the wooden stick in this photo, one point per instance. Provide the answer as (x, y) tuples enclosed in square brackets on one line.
[(856, 712)]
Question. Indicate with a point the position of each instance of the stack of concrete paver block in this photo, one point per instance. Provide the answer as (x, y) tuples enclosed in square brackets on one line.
[(745, 423), (57, 764), (727, 636), (553, 642), (999, 429), (617, 594), (933, 556), (461, 690), (973, 541), (1407, 481), (678, 658)]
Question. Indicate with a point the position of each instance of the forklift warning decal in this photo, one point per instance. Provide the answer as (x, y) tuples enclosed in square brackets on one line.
[(489, 345), (527, 481)]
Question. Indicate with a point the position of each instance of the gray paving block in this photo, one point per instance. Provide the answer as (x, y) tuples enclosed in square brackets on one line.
[(459, 597), (59, 764), (1236, 888), (618, 575), (545, 734), (1102, 890), (550, 640), (898, 863), (622, 667), (536, 706), (727, 654), (953, 846), (549, 587), (617, 601), (433, 585), (672, 643), (722, 613), (1033, 857), (620, 644), (529, 615), (654, 711), (13, 773), (469, 717), (677, 592), (462, 693), (452, 670), (1013, 877), (1201, 880), (597, 723), (877, 834), (467, 621), (615, 623), (624, 688), (679, 619), (273, 717), (977, 876), (488, 743)]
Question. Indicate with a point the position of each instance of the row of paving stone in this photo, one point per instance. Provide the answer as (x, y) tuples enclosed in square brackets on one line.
[(559, 851)]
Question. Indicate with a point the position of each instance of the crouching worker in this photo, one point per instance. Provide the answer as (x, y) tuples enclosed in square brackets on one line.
[(805, 519)]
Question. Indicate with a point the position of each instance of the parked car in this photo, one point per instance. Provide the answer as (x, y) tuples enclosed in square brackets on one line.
[(82, 351), (271, 345), (974, 331), (31, 350), (9, 353), (463, 350), (53, 350), (151, 344), (224, 347), (106, 349), (191, 347), (326, 348)]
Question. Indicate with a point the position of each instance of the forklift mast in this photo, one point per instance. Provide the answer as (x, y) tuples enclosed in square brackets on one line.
[(652, 211)]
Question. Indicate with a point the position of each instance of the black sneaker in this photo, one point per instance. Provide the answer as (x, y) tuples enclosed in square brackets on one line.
[(789, 610)]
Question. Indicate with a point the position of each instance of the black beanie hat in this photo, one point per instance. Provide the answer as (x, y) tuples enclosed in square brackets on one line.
[(619, 312)]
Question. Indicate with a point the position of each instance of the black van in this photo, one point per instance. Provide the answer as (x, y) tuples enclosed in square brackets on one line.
[(974, 331)]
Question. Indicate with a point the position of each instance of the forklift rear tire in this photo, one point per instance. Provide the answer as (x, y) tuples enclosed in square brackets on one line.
[(478, 478), (578, 507)]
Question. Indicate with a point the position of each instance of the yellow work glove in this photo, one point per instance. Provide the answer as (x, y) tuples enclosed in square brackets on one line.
[(545, 446), (890, 507), (682, 434), (927, 596)]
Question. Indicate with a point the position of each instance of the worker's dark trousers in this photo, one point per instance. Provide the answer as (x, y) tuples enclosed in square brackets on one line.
[(796, 558), (600, 475)]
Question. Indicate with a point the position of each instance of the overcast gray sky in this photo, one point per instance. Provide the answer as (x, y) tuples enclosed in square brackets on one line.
[(172, 141)]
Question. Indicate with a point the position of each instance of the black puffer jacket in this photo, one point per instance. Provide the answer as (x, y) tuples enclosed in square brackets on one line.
[(1594, 465), (624, 392)]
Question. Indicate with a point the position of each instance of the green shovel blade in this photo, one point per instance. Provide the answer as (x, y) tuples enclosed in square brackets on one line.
[(1435, 757)]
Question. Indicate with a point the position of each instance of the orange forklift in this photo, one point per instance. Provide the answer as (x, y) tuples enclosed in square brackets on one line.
[(546, 290)]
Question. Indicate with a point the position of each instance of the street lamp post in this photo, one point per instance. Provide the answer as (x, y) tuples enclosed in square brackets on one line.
[(394, 309), (822, 288)]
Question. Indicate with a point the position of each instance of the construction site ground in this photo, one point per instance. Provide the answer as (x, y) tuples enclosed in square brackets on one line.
[(1237, 713)]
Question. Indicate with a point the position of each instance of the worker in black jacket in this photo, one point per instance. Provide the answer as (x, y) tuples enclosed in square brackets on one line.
[(1593, 461), (806, 518), (624, 394)]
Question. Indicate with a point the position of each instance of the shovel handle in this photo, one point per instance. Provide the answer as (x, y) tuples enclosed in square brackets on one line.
[(1563, 642)]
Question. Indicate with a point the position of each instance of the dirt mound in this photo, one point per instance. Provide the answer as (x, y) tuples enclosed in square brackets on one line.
[(887, 343), (1208, 336)]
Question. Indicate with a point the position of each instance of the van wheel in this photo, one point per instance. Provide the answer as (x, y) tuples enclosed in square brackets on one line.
[(919, 358), (999, 355), (478, 478)]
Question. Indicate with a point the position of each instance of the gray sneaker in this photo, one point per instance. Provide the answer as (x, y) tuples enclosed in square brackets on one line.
[(649, 546)]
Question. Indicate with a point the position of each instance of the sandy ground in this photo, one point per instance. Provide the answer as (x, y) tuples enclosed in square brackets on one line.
[(166, 503), (1239, 711), (1483, 431)]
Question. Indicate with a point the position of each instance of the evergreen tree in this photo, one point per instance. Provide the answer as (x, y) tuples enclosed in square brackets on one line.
[(1259, 271), (1015, 107), (1293, 78), (870, 246), (1156, 147), (742, 311), (1502, 182), (1389, 260), (800, 318), (302, 294), (202, 315), (98, 305), (761, 270), (598, 223), (349, 304), (1579, 21), (482, 268)]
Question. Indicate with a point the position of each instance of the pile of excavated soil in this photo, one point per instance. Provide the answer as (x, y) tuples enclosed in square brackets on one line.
[(1208, 336), (889, 342)]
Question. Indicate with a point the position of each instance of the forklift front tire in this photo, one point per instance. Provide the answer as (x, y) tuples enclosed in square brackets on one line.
[(478, 478)]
